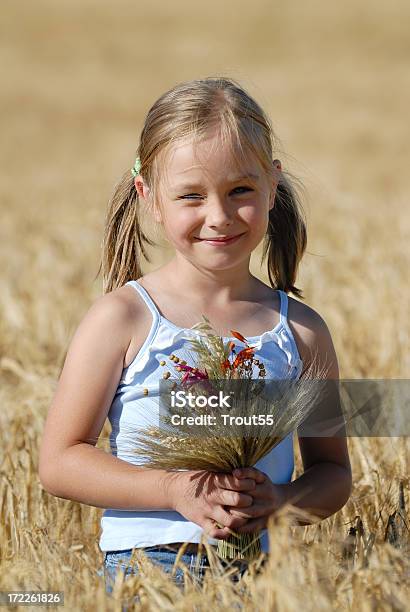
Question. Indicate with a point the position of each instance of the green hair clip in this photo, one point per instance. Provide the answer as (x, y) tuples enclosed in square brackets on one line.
[(137, 167)]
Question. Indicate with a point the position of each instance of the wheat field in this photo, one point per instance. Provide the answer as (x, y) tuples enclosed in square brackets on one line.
[(77, 80)]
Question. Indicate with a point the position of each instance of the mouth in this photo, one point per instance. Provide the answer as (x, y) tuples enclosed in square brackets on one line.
[(221, 240)]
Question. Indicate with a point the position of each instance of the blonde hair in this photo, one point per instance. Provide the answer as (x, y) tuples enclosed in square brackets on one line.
[(190, 109)]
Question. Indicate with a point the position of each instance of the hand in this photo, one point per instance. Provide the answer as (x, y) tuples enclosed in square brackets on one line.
[(267, 498), (207, 498)]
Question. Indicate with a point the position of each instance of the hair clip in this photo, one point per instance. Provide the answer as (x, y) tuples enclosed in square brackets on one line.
[(137, 167)]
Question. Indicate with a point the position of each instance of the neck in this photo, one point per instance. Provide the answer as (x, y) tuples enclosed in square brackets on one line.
[(211, 287)]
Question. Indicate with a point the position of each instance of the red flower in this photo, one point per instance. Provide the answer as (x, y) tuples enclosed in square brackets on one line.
[(226, 364), (239, 336), (246, 353), (192, 374), (185, 368)]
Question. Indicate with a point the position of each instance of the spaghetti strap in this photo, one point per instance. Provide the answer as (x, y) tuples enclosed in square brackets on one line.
[(146, 297), (283, 307)]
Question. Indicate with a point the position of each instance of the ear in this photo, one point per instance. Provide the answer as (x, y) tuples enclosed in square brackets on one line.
[(140, 187), (144, 193), (277, 164)]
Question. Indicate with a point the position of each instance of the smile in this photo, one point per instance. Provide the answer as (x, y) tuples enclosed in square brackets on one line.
[(221, 241)]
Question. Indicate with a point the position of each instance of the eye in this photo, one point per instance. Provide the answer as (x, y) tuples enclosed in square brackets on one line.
[(245, 188), (195, 196), (190, 196)]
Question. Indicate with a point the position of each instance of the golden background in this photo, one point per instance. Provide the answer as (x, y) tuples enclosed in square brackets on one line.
[(77, 81)]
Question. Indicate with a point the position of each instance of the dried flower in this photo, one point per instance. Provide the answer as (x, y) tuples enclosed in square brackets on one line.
[(239, 336)]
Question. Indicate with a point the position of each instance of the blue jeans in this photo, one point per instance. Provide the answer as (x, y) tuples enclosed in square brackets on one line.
[(196, 565)]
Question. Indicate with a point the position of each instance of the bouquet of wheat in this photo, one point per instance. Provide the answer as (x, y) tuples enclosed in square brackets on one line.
[(221, 447)]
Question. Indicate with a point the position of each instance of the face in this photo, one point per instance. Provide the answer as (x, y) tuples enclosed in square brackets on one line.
[(204, 195)]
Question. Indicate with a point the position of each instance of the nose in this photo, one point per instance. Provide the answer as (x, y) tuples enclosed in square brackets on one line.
[(219, 213)]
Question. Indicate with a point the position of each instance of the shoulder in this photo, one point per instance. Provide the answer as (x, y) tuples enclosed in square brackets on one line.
[(308, 323), (312, 336), (132, 305), (110, 317), (115, 306), (124, 307), (124, 303), (128, 312)]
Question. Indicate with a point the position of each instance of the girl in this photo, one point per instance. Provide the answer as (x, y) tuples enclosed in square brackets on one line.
[(206, 174)]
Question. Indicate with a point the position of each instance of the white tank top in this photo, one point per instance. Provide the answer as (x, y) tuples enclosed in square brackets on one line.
[(131, 410)]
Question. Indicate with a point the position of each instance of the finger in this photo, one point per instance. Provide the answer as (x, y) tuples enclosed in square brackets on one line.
[(234, 498), (217, 530), (227, 481), (213, 530), (248, 513), (250, 472), (257, 510), (226, 519)]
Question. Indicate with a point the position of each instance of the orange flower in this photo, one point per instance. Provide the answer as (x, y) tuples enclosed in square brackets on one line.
[(239, 336), (237, 362), (226, 364), (246, 353)]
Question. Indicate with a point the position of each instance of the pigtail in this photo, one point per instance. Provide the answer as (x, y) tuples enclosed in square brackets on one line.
[(286, 238), (124, 241)]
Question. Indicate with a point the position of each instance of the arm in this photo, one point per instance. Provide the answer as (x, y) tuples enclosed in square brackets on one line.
[(70, 465), (325, 485), (323, 488), (73, 468)]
